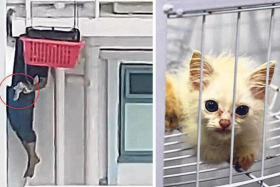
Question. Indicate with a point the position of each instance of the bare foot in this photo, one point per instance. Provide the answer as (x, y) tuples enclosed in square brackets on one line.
[(29, 172)]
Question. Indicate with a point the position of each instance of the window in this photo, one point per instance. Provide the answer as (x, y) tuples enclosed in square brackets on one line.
[(136, 113)]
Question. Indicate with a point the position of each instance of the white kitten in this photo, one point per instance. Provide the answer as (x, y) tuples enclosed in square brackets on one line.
[(182, 98)]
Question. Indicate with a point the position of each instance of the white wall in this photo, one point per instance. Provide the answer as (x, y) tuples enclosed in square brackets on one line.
[(3, 154), (117, 35), (74, 136)]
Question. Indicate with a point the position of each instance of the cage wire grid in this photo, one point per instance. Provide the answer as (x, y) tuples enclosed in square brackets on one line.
[(189, 166)]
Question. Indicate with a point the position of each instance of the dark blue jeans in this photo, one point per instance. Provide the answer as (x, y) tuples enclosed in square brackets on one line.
[(21, 120)]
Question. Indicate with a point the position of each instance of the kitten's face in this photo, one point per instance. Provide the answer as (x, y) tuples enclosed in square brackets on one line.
[(217, 110), (217, 97)]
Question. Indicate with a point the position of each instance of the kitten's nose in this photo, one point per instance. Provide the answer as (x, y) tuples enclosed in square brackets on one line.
[(224, 123)]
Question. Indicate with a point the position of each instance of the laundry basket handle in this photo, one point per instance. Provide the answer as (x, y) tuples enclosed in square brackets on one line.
[(77, 37), (28, 10)]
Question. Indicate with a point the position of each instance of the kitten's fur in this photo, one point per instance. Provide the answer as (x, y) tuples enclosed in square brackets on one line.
[(182, 98)]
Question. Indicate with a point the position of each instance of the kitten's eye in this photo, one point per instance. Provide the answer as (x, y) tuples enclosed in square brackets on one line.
[(242, 110), (211, 106)]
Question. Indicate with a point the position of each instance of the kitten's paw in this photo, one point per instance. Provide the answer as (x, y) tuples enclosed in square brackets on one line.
[(172, 108), (243, 162), (171, 123)]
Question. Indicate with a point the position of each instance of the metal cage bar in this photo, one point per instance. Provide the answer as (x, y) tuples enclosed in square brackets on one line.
[(159, 90), (179, 13), (252, 180), (266, 89), (254, 177), (234, 95), (200, 102), (214, 178), (201, 5)]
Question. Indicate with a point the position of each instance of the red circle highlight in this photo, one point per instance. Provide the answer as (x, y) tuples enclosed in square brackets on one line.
[(26, 106)]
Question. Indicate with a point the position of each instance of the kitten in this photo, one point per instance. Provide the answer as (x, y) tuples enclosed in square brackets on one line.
[(182, 98)]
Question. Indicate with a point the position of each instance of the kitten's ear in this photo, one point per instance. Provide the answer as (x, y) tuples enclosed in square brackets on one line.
[(195, 70), (258, 79)]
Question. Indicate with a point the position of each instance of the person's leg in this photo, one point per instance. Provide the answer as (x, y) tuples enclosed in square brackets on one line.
[(33, 158), (29, 139)]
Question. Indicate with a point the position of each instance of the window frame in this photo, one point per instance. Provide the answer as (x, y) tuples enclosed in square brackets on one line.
[(130, 69), (125, 69), (114, 58)]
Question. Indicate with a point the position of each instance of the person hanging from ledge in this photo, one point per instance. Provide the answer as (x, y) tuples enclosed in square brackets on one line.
[(20, 94)]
